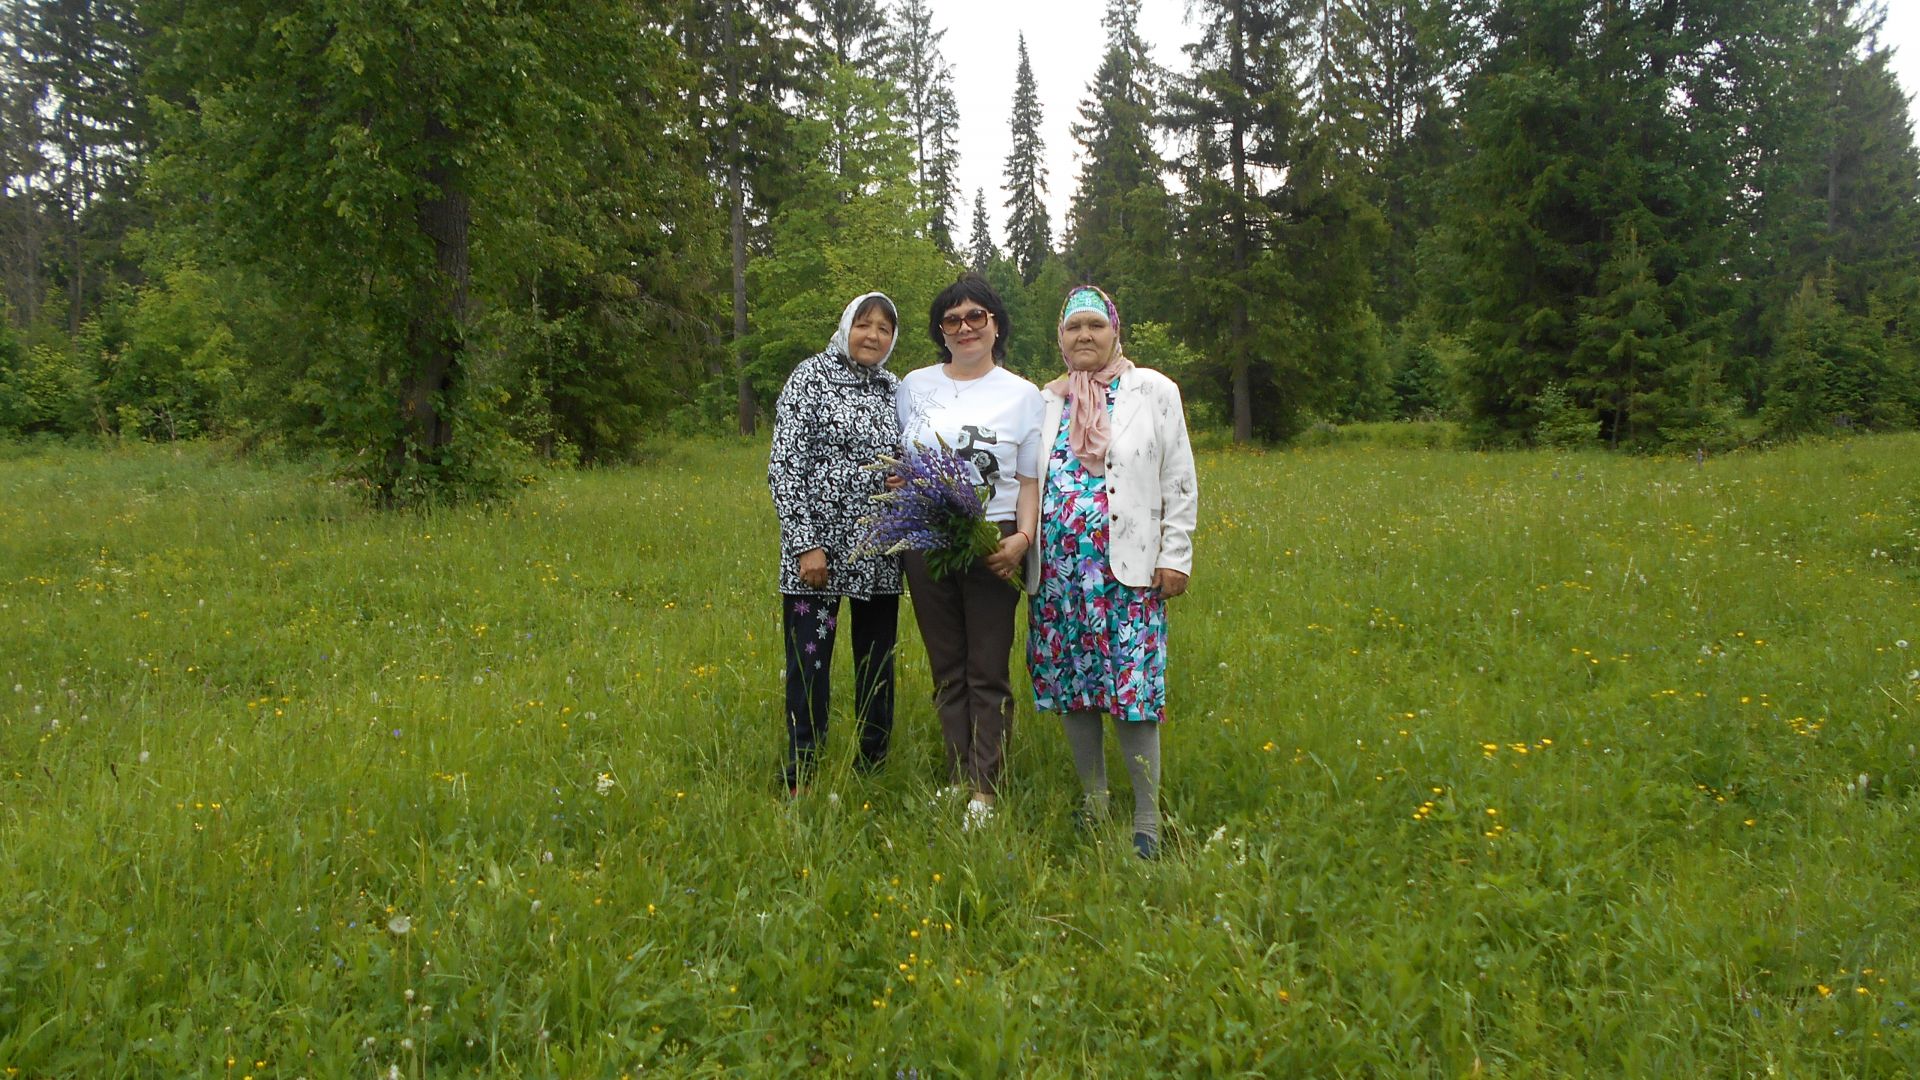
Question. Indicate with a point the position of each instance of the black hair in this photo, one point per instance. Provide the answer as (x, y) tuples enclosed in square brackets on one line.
[(877, 301), (972, 287)]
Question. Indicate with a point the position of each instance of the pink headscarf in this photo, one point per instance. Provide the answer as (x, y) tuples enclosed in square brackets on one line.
[(1090, 430)]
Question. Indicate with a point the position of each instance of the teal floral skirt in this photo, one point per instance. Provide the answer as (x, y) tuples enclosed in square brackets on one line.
[(1094, 644)]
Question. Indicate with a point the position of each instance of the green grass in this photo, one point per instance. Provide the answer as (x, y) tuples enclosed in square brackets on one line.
[(1499, 765)]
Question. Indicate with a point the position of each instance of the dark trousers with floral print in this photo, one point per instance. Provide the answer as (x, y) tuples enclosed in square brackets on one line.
[(811, 623)]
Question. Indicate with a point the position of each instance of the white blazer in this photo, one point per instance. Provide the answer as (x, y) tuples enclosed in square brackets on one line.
[(1153, 493)]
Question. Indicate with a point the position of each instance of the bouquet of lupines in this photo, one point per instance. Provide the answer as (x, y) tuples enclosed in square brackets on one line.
[(937, 509)]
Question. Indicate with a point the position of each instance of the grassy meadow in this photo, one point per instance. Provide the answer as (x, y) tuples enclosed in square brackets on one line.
[(1480, 765)]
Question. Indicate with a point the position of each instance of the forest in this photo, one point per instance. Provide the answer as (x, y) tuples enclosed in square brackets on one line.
[(431, 243)]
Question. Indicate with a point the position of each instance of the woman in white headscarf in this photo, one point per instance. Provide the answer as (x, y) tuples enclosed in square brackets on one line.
[(1117, 512), (834, 418)]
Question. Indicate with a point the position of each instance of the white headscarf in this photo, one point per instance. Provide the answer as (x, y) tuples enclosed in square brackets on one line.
[(839, 342)]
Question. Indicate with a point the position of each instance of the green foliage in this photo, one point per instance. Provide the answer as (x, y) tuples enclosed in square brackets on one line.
[(44, 389), (854, 227), (177, 370), (383, 168), (1630, 353), (1564, 424), (496, 788), (925, 80), (1397, 207), (1029, 230), (1120, 226), (1706, 416), (1034, 351), (1423, 362), (981, 252), (1832, 370)]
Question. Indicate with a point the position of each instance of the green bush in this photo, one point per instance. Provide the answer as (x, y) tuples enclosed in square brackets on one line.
[(1564, 424), (176, 369)]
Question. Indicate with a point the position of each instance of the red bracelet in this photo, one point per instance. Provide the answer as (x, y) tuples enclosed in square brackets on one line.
[(1023, 532)]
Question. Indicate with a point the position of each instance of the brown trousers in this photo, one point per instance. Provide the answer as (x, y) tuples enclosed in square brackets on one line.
[(966, 621)]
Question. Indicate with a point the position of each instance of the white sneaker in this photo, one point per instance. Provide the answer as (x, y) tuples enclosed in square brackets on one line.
[(978, 815)]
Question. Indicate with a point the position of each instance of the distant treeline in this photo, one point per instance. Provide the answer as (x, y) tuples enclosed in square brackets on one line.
[(437, 238)]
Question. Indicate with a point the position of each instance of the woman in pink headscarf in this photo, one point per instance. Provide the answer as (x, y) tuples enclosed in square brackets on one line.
[(1117, 508)]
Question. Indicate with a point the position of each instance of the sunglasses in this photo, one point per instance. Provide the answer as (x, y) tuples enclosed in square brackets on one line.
[(974, 320)]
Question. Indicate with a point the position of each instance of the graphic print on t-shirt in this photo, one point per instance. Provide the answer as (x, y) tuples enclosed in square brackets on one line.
[(973, 444)]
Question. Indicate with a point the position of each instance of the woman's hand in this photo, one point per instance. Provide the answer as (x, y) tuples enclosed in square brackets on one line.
[(1169, 583), (813, 568), (1012, 554)]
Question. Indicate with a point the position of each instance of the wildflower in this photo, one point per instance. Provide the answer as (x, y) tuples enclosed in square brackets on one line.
[(603, 784), (939, 509), (399, 924)]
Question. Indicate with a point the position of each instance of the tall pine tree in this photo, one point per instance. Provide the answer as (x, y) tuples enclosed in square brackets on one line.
[(1029, 231), (77, 67), (932, 115), (1120, 225), (1237, 112), (747, 52)]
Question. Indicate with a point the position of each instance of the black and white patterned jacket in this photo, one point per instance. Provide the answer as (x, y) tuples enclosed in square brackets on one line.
[(833, 418)]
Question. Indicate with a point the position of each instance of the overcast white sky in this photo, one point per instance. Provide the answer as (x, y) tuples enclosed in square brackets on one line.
[(1065, 40)]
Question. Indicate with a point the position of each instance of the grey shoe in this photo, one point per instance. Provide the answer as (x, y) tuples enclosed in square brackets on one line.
[(1146, 846)]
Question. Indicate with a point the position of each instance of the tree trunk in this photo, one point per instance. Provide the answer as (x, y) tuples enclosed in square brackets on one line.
[(1237, 222), (737, 198), (436, 332), (743, 402)]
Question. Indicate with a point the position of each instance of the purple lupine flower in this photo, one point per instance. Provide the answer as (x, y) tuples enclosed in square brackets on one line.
[(937, 509)]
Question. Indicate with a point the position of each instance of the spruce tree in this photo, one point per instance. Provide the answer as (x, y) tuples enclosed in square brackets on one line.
[(76, 67), (747, 53), (1120, 224), (1406, 67), (850, 32), (1237, 111), (980, 250), (932, 116), (1029, 233), (1580, 145)]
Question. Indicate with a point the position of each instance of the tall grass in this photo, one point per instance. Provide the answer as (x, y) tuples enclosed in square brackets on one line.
[(1497, 765)]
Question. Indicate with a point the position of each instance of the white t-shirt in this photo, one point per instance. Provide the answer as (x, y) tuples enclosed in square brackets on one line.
[(994, 421)]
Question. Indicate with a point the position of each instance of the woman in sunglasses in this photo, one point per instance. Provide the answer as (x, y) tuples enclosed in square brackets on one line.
[(992, 417)]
